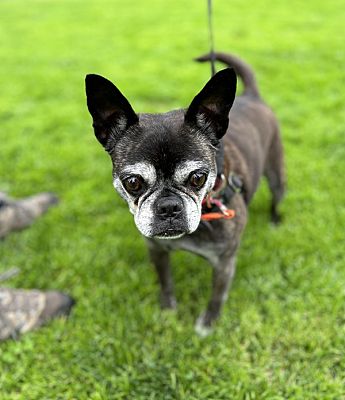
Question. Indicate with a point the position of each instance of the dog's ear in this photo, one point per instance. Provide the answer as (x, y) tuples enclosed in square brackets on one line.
[(110, 110), (209, 110)]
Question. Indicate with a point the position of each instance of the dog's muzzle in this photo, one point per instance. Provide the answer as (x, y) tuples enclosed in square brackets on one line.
[(169, 207), (170, 218)]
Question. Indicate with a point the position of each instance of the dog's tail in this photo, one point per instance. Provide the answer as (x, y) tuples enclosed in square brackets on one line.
[(242, 69)]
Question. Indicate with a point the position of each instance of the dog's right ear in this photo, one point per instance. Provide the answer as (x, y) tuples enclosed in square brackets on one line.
[(110, 110)]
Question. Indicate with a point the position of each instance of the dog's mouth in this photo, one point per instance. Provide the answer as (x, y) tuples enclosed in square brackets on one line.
[(170, 233)]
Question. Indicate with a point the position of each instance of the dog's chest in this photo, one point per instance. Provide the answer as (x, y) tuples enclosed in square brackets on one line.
[(205, 249), (207, 244)]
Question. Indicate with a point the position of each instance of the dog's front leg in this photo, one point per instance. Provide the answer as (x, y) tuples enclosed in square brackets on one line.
[(223, 274), (160, 258)]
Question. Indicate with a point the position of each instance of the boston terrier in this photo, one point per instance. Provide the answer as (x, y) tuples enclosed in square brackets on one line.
[(188, 175)]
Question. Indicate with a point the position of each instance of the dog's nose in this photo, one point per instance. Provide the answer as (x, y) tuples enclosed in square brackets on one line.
[(169, 207)]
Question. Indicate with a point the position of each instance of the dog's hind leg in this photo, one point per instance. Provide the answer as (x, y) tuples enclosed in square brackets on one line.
[(275, 174)]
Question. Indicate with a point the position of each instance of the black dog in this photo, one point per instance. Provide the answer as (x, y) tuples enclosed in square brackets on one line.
[(165, 167)]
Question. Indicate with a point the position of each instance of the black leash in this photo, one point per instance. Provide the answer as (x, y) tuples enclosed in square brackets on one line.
[(220, 151), (234, 182), (211, 39)]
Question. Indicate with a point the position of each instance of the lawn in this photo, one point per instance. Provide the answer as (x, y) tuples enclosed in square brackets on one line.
[(282, 332)]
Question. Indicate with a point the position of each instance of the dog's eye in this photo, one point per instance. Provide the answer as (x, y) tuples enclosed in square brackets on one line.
[(133, 184), (197, 179)]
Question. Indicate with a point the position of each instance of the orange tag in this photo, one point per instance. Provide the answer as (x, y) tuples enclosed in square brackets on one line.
[(226, 214)]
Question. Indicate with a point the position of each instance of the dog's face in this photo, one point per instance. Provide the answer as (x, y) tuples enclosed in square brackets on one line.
[(163, 164)]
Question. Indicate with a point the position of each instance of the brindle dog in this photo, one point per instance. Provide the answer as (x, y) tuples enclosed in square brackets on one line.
[(164, 166)]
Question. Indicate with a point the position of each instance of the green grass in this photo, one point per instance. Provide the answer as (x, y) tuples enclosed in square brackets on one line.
[(282, 332)]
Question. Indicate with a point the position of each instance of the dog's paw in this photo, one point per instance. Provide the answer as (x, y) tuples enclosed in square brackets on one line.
[(202, 326), (276, 217), (168, 302)]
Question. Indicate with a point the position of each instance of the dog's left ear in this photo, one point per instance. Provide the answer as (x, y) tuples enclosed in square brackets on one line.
[(111, 112), (210, 108)]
